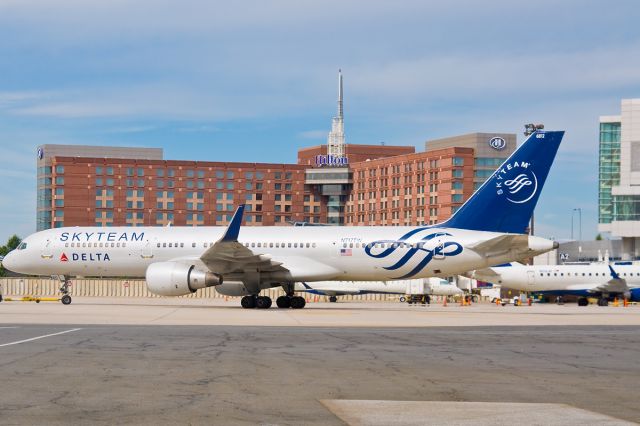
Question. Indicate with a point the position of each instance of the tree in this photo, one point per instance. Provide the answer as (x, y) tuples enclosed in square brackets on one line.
[(12, 243), (598, 237)]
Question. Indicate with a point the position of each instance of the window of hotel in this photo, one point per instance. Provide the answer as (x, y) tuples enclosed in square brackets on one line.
[(278, 175), (229, 185), (59, 191), (219, 174), (140, 171), (159, 183), (130, 171), (248, 186), (458, 161), (248, 175), (59, 169), (456, 198), (98, 170), (98, 181), (110, 171), (287, 175), (457, 173), (160, 173), (140, 182), (110, 182), (219, 185), (259, 175), (200, 184), (456, 185), (287, 187), (190, 173), (229, 175), (278, 186), (59, 180), (200, 174), (190, 184), (171, 173)]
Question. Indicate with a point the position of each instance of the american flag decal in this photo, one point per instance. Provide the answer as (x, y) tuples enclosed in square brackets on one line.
[(346, 252)]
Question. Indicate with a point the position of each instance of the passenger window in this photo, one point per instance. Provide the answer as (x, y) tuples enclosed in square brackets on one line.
[(124, 244), (170, 245), (193, 245), (259, 245), (118, 245), (164, 245), (313, 245), (270, 245), (113, 245), (350, 245), (295, 245), (65, 244), (307, 245), (289, 245)]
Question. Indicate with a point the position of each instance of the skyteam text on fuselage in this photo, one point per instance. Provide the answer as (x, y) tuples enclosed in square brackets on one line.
[(488, 229)]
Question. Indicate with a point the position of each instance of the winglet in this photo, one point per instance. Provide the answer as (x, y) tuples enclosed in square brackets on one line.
[(231, 234), (614, 274)]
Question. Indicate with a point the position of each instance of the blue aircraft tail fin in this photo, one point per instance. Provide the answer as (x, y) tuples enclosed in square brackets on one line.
[(505, 202)]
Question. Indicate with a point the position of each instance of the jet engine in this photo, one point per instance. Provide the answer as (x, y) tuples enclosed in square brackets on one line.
[(178, 279)]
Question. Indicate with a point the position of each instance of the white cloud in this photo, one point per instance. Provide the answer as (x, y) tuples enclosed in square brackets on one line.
[(314, 134)]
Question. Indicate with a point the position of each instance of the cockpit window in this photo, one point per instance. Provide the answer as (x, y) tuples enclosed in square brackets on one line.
[(22, 246)]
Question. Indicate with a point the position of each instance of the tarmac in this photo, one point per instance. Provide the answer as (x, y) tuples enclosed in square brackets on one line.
[(176, 361)]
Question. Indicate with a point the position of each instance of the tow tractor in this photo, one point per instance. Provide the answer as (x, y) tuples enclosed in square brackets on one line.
[(65, 297)]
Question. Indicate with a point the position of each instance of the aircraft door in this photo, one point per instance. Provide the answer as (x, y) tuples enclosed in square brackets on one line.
[(531, 277), (147, 250), (438, 252), (47, 250)]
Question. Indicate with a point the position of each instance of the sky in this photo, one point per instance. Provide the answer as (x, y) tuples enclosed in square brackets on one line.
[(256, 80)]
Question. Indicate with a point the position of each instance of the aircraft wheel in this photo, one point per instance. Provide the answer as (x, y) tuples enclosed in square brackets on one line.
[(283, 302), (263, 302), (403, 299), (66, 299), (583, 301), (248, 302), (333, 299), (603, 302), (297, 302)]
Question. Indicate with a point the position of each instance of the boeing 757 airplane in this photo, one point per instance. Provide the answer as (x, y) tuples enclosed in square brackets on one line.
[(598, 280), (489, 229)]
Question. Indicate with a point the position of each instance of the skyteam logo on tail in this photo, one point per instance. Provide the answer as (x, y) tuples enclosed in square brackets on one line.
[(517, 182), (437, 248)]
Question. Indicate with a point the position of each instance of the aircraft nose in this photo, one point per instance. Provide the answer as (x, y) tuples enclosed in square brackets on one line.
[(9, 261)]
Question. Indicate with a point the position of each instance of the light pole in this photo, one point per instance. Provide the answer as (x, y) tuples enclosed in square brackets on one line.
[(579, 210)]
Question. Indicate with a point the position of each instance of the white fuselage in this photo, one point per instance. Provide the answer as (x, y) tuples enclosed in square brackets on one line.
[(432, 286), (576, 279), (308, 253)]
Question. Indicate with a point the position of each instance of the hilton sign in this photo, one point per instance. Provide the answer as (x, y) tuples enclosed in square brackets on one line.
[(331, 161)]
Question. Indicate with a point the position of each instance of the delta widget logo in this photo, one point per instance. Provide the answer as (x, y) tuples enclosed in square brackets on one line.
[(517, 182), (64, 258)]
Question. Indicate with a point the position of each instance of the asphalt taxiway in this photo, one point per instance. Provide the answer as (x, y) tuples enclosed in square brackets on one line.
[(164, 370)]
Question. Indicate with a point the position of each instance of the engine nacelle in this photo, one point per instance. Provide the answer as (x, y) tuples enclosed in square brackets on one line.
[(232, 288), (178, 279)]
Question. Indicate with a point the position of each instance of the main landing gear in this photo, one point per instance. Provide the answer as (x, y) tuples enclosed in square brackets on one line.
[(264, 302), (254, 301), (293, 302)]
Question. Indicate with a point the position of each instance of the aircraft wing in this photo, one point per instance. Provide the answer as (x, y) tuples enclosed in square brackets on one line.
[(228, 257), (615, 285)]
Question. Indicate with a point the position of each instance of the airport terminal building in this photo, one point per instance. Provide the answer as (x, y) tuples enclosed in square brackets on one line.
[(619, 177)]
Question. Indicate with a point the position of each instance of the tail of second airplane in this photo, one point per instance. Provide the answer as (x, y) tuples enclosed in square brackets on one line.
[(505, 202)]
